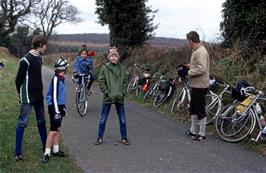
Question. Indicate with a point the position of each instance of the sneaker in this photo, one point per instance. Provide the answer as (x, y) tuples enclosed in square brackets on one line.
[(45, 158), (99, 141), (199, 138), (18, 157), (60, 153), (125, 141), (192, 135)]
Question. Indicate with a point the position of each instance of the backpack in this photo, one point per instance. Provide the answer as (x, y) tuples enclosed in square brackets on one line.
[(236, 91)]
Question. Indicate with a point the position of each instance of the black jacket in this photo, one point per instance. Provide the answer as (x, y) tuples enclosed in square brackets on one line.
[(29, 78)]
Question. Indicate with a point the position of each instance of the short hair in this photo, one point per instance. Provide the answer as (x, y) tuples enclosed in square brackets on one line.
[(194, 36), (38, 41)]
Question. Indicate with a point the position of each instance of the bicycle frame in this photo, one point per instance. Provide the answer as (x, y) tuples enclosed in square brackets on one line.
[(181, 96), (81, 95), (216, 100)]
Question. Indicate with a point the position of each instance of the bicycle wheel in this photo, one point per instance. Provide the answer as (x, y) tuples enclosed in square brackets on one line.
[(132, 85), (213, 107), (162, 97), (233, 126), (81, 100), (178, 102), (150, 92)]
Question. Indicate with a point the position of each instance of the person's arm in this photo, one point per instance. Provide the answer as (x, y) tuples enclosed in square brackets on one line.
[(200, 65), (75, 66), (102, 82), (22, 72), (55, 95), (125, 84), (90, 66)]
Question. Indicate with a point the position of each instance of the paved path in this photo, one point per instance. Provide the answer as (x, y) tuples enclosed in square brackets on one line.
[(158, 144)]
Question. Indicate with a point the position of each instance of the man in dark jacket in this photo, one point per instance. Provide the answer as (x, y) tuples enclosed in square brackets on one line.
[(30, 89), (113, 82)]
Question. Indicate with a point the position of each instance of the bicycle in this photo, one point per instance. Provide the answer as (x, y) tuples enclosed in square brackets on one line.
[(182, 98), (153, 89), (82, 94), (214, 102), (140, 80), (166, 88), (239, 120)]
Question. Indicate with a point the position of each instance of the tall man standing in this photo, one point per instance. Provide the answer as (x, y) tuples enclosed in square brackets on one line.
[(199, 83), (30, 89)]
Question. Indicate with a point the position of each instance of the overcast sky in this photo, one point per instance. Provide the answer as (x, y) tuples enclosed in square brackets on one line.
[(175, 18)]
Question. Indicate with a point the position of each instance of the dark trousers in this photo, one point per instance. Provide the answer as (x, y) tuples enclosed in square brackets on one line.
[(25, 111), (197, 103)]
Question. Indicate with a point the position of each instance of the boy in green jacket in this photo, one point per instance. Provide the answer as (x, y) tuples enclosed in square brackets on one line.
[(113, 82)]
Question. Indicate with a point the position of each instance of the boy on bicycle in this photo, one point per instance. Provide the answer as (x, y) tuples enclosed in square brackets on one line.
[(55, 98), (84, 65)]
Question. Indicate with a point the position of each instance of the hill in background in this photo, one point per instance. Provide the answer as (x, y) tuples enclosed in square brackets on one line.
[(103, 39)]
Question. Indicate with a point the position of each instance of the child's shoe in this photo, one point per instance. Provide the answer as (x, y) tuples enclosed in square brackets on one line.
[(45, 158), (125, 141), (60, 153), (99, 141), (18, 157)]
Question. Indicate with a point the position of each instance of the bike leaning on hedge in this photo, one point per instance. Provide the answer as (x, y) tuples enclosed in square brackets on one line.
[(240, 119), (140, 80), (166, 88)]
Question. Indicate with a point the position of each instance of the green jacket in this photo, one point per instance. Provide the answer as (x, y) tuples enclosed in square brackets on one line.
[(113, 81)]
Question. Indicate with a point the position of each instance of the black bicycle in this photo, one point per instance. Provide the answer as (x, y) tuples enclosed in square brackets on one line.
[(82, 94), (166, 88)]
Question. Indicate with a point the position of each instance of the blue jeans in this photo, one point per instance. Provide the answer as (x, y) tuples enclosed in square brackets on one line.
[(120, 109), (25, 111)]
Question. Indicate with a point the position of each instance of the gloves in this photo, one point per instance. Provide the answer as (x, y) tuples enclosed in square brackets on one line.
[(64, 112), (75, 75), (57, 118)]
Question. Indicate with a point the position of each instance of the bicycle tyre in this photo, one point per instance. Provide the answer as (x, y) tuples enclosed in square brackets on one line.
[(162, 97), (132, 85), (178, 102), (150, 93), (213, 107), (233, 127), (81, 103)]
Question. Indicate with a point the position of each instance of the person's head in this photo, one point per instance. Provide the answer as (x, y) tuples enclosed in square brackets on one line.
[(39, 43), (113, 56), (60, 65), (193, 38), (84, 53)]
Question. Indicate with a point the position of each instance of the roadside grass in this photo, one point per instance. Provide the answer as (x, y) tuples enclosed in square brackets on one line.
[(32, 150)]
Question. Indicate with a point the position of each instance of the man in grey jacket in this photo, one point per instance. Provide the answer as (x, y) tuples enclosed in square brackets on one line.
[(199, 83)]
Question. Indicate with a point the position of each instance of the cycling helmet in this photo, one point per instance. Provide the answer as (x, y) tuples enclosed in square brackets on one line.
[(61, 64), (182, 71), (91, 53)]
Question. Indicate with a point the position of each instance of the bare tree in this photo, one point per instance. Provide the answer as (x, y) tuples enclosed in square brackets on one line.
[(11, 11), (52, 13)]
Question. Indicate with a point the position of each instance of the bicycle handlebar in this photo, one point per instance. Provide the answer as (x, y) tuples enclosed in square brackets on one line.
[(250, 91)]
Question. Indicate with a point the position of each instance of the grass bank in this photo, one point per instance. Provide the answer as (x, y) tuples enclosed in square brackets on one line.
[(9, 108)]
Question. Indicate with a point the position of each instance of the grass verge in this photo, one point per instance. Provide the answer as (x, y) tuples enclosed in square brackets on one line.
[(32, 152)]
